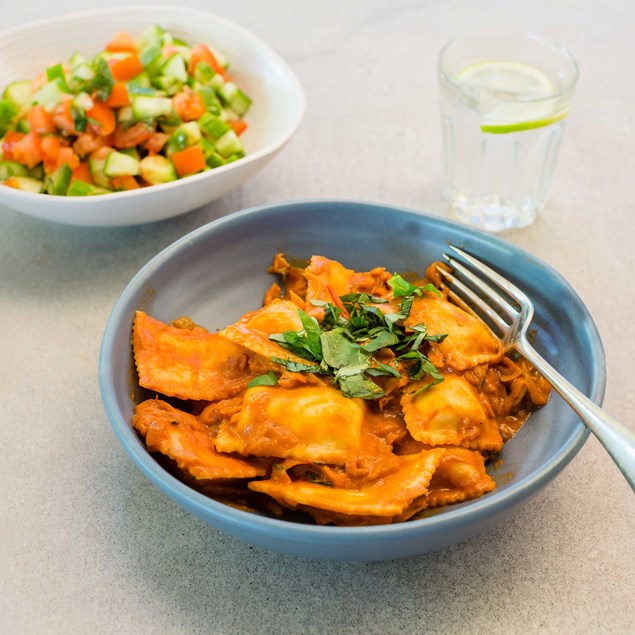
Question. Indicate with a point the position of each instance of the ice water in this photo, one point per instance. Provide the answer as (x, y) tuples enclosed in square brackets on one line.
[(503, 122)]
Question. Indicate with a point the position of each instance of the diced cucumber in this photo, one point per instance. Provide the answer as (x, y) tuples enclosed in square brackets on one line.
[(187, 134), (59, 181), (150, 56), (233, 97), (203, 73), (234, 157), (83, 72), (212, 126), (19, 93), (211, 101), (8, 112), (149, 108), (57, 72), (77, 59), (131, 152), (153, 35), (12, 168), (84, 101), (119, 164), (136, 89), (170, 85), (229, 144), (81, 188), (217, 82), (192, 132), (176, 142), (125, 115), (51, 94), (157, 169), (141, 80), (96, 167), (26, 184), (37, 172), (212, 158), (175, 67), (81, 76)]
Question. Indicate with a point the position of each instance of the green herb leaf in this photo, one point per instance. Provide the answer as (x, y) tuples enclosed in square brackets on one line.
[(383, 339), (402, 287), (79, 118), (359, 386), (103, 82), (296, 367), (268, 379), (339, 351)]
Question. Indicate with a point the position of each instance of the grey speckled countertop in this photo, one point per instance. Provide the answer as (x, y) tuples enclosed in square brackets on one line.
[(87, 545)]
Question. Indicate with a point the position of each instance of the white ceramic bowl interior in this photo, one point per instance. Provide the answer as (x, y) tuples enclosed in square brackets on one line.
[(276, 112)]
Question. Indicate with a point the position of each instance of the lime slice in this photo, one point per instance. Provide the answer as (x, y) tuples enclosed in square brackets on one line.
[(510, 96), (504, 128), (505, 80)]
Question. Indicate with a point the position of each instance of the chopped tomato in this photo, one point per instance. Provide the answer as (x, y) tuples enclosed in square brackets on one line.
[(126, 182), (68, 156), (127, 68), (12, 182), (122, 42), (40, 120), (28, 150), (89, 142), (82, 173), (10, 139), (103, 118), (237, 125), (201, 53), (189, 105), (156, 142), (101, 153), (133, 136), (51, 147), (63, 118), (188, 161), (118, 97)]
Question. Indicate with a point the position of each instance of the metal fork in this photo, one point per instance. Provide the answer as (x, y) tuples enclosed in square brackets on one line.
[(475, 293)]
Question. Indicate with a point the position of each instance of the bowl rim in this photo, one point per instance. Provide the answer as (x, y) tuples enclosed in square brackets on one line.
[(475, 510), (260, 153)]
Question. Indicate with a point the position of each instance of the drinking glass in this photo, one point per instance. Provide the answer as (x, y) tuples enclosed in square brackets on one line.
[(504, 102)]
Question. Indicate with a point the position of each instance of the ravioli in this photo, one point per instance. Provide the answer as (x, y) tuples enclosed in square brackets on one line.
[(188, 364), (327, 280), (184, 439), (261, 434), (468, 342), (253, 330), (310, 423), (460, 476), (385, 498), (449, 413)]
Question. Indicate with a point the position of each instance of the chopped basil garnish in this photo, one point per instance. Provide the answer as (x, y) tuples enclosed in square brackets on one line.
[(268, 379), (344, 343)]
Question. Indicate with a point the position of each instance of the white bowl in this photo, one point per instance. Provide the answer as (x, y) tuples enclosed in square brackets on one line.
[(276, 113)]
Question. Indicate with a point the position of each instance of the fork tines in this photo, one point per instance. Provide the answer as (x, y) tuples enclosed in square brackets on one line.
[(488, 296)]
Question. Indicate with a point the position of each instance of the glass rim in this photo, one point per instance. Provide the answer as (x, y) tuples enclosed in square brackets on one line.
[(567, 55)]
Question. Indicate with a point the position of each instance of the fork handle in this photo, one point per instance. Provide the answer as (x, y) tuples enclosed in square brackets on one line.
[(616, 438)]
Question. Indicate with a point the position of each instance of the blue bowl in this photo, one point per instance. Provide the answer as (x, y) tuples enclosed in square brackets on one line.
[(218, 272)]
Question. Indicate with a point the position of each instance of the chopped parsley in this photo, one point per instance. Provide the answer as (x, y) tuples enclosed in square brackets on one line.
[(343, 345)]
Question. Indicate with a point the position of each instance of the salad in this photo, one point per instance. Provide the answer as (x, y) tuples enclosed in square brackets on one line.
[(143, 111)]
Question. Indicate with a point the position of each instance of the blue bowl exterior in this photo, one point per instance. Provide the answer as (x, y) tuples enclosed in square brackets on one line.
[(218, 272)]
